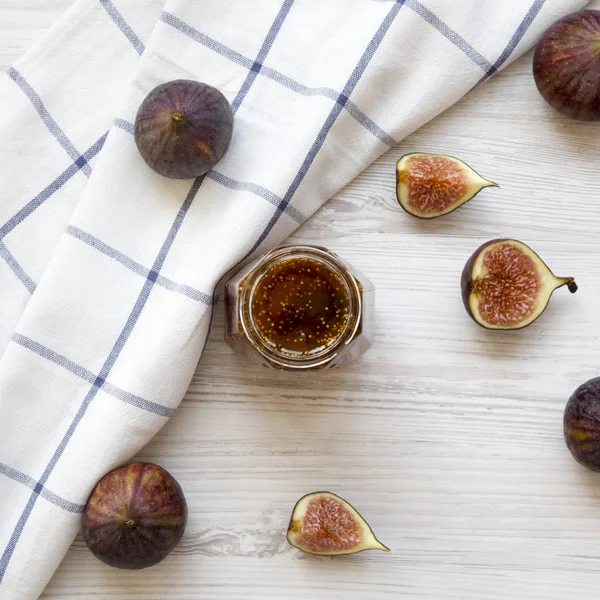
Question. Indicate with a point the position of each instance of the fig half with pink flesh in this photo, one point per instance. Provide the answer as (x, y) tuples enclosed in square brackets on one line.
[(325, 524), (506, 285), (432, 185)]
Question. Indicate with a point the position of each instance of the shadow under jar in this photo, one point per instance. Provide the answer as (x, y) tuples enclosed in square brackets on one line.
[(299, 308)]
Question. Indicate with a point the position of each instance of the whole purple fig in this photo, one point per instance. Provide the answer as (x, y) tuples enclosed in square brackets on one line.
[(582, 424), (135, 516), (183, 128), (566, 65)]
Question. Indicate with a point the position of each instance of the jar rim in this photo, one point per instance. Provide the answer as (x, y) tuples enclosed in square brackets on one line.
[(252, 280)]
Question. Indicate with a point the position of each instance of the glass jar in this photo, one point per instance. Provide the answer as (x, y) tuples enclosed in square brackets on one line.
[(299, 308)]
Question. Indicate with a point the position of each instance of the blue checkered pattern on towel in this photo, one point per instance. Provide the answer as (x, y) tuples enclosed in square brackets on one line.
[(99, 352)]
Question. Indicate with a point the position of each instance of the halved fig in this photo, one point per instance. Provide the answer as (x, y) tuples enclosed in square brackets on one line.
[(432, 185), (325, 524), (506, 285)]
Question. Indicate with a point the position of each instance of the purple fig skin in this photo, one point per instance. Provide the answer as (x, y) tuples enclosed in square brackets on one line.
[(582, 424), (135, 516), (183, 128), (566, 65)]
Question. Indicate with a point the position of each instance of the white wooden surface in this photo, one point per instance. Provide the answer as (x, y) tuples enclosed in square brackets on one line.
[(446, 437)]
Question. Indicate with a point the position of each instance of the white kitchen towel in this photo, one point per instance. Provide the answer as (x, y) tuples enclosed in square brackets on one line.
[(107, 270)]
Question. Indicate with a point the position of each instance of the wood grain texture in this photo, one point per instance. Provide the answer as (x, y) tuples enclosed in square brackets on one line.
[(446, 437)]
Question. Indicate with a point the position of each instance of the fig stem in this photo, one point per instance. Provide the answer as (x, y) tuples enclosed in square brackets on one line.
[(571, 285), (177, 117), (569, 282)]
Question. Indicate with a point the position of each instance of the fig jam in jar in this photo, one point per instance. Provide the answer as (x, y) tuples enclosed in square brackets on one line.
[(299, 308)]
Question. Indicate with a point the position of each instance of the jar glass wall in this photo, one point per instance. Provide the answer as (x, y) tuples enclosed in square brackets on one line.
[(299, 308)]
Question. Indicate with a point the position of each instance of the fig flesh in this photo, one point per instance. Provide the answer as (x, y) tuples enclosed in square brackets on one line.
[(506, 285), (432, 185), (183, 128), (582, 424), (135, 516), (566, 65), (325, 524)]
